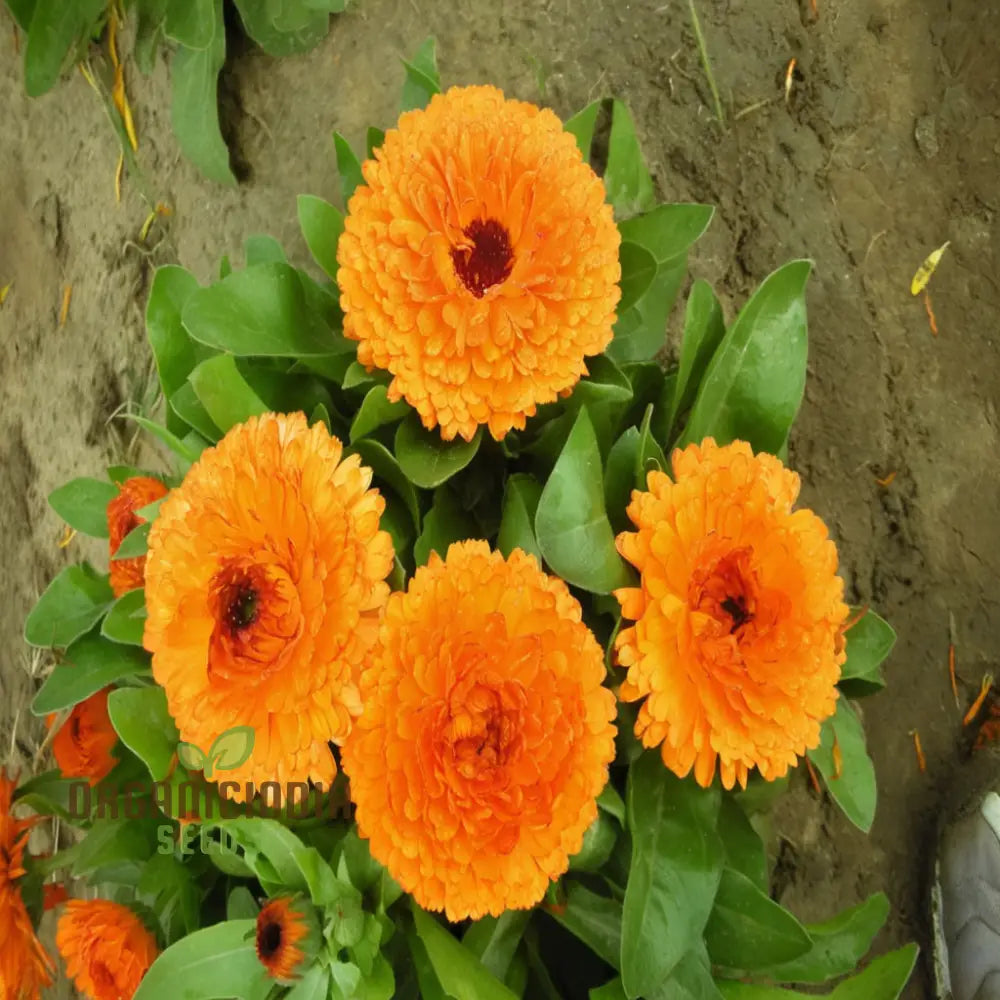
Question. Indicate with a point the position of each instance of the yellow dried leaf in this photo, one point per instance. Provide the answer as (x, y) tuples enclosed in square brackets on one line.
[(118, 177), (926, 269), (64, 312), (146, 226), (3, 292)]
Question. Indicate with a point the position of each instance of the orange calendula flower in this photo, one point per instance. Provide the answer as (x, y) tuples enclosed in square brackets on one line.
[(486, 735), (25, 967), (265, 580), (479, 261), (739, 615), (133, 495), (287, 937), (83, 744), (106, 947)]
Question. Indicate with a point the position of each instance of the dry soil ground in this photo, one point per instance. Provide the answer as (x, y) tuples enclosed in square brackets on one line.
[(888, 147)]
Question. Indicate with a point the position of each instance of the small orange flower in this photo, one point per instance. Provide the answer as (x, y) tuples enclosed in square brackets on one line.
[(133, 495), (83, 744), (106, 947), (287, 935), (479, 262), (486, 735), (53, 894), (25, 967), (265, 580), (739, 616)]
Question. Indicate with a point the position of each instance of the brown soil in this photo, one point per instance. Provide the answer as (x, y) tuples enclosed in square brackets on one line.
[(887, 148)]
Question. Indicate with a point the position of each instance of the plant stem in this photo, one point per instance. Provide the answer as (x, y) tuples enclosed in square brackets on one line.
[(706, 63)]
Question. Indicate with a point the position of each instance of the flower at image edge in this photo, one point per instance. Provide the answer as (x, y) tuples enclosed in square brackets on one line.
[(479, 261), (738, 637), (83, 743), (25, 967), (486, 735), (133, 495), (265, 580), (106, 947)]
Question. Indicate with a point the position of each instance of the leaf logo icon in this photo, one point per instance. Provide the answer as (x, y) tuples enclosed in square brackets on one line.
[(231, 749)]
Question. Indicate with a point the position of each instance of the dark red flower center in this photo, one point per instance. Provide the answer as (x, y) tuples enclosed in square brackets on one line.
[(488, 261), (240, 603), (269, 940), (725, 589)]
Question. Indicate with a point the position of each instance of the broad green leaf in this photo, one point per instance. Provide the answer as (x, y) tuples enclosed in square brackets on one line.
[(375, 411), (750, 931), (134, 544), (745, 852), (224, 392), (70, 606), (324, 887), (348, 166), (57, 26), (690, 980), (314, 985), (180, 447), (90, 664), (869, 642), (169, 889), (704, 328), (611, 802), (272, 840), (22, 11), (619, 477), (194, 110), (280, 36), (126, 620), (231, 749), (321, 226), (571, 524), (668, 231), (111, 842), (495, 940), (144, 725), (677, 860), (240, 905), (581, 127), (422, 81), (263, 249), (838, 945), (517, 524), (446, 522), (598, 843), (212, 964), (186, 405), (382, 462), (50, 794), (374, 139), (150, 21), (427, 460), (357, 375), (649, 455), (190, 22), (361, 868), (612, 990), (756, 378), (83, 503), (626, 177), (638, 270), (854, 791), (595, 920), (458, 970)]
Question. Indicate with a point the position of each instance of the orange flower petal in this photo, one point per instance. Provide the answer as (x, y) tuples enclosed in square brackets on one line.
[(82, 746), (133, 495)]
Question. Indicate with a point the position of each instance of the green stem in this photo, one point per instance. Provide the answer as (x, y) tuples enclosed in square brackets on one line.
[(706, 63)]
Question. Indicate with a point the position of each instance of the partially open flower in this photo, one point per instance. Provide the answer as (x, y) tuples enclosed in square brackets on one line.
[(479, 261), (82, 746), (486, 734), (739, 615), (133, 495), (288, 938), (106, 947)]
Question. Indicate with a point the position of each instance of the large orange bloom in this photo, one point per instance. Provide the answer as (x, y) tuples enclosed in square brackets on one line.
[(106, 947), (25, 967), (738, 640), (479, 263), (133, 495), (264, 584), (486, 735), (83, 744)]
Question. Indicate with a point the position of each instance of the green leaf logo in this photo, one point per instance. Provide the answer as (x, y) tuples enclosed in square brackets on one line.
[(191, 756), (230, 750)]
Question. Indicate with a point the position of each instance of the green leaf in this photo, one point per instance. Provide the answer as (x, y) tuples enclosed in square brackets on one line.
[(89, 665), (269, 311), (677, 860), (517, 525), (179, 447), (598, 843), (446, 522), (649, 455), (231, 748), (838, 945), (458, 970), (495, 940), (612, 990), (186, 405), (375, 138), (126, 620), (668, 231), (213, 963), (382, 462), (690, 980), (190, 23), (240, 905), (750, 931), (755, 381), (581, 127), (271, 840), (324, 887), (375, 411), (314, 985), (57, 26), (82, 504), (224, 392), (143, 723), (422, 81), (48, 794), (428, 461), (70, 606), (571, 525), (135, 543), (114, 842), (348, 166), (854, 791), (263, 249), (638, 270), (321, 225), (628, 182), (611, 802), (195, 110), (744, 848), (279, 35), (22, 11), (150, 21), (619, 477), (168, 888), (869, 642), (704, 328), (595, 920)]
